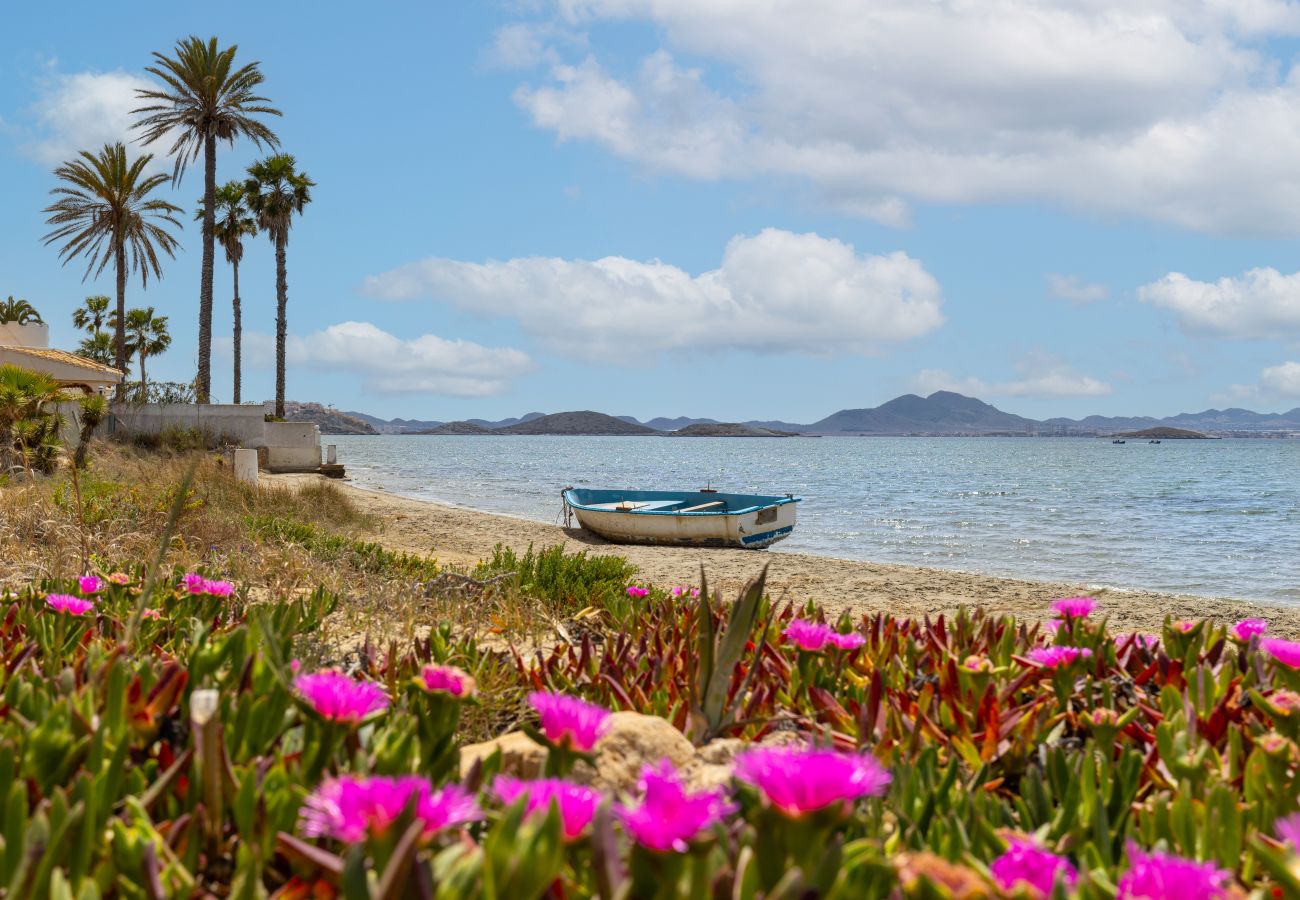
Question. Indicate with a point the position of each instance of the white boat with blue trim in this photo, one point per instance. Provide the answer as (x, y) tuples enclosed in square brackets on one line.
[(704, 518)]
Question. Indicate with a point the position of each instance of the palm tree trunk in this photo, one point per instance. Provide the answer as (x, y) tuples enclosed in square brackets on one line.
[(119, 332), (238, 330), (281, 326), (143, 391), (204, 390)]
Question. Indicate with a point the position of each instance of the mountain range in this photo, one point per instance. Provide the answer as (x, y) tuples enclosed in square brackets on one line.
[(941, 413)]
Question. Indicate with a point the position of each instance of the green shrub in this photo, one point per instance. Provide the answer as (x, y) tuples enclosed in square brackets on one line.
[(566, 582)]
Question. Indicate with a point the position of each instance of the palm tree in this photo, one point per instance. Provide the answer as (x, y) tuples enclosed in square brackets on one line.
[(19, 312), (276, 190), (233, 223), (146, 336), (204, 99), (90, 317), (104, 212), (28, 431), (98, 347)]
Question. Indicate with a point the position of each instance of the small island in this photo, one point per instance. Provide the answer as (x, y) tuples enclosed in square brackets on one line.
[(457, 428), (1165, 433), (728, 429)]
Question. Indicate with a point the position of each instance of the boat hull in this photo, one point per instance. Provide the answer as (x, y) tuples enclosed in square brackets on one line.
[(650, 517)]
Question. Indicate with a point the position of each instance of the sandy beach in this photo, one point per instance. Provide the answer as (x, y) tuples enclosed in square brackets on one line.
[(460, 537)]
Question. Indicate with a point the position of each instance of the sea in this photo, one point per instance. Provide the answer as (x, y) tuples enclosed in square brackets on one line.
[(1218, 518)]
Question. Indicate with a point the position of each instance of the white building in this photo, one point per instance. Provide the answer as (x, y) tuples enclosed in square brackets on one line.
[(28, 346)]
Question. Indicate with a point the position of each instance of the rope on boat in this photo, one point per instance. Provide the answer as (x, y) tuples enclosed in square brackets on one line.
[(567, 510)]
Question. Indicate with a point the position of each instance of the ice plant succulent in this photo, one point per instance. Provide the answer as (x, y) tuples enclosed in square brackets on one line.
[(1074, 607), (196, 584), (66, 603), (1163, 876), (1285, 652), (798, 780), (668, 817), (1249, 628), (815, 636), (89, 584), (447, 680), (570, 722), (1027, 865), (339, 698), (1287, 830), (577, 803), (684, 591), (1055, 657), (351, 808), (637, 593)]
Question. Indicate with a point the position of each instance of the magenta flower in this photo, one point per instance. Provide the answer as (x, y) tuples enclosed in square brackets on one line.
[(66, 603), (1249, 628), (89, 584), (669, 818), (1055, 657), (570, 721), (636, 593), (1029, 865), (797, 780), (150, 613), (447, 680), (1074, 607), (339, 698), (815, 636), (683, 591), (195, 583), (192, 582), (352, 807), (1285, 652), (577, 803), (1163, 876), (1186, 626), (1288, 829)]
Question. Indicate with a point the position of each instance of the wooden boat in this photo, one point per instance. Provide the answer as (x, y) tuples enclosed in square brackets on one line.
[(699, 518)]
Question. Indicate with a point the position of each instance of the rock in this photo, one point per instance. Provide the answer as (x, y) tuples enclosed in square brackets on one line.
[(520, 755), (633, 742)]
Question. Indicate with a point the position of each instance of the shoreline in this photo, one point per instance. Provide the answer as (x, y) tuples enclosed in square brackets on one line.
[(461, 536)]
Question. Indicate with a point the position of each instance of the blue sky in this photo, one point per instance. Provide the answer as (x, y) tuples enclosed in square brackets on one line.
[(711, 208)]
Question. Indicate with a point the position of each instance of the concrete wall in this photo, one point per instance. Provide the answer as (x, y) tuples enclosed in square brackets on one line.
[(33, 335), (290, 446)]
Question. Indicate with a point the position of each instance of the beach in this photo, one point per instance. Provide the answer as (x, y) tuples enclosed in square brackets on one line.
[(460, 537)]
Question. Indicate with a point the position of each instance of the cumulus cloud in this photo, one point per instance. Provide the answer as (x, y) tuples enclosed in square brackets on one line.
[(776, 292), (1075, 289), (389, 364), (1262, 303), (82, 111), (1282, 379), (1039, 376), (1158, 108)]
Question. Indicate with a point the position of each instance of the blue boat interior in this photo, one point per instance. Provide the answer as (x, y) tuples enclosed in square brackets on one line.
[(675, 503)]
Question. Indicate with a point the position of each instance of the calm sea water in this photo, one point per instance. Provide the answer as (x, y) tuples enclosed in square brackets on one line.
[(1215, 518)]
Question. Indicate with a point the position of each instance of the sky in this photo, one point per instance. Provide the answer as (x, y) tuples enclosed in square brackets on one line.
[(717, 208)]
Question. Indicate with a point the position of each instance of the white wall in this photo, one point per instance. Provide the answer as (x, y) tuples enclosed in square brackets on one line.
[(291, 446), (14, 335)]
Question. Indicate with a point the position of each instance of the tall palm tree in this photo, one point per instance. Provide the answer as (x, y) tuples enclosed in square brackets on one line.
[(233, 224), (98, 347), (204, 99), (276, 190), (146, 335), (90, 316), (19, 312), (104, 212)]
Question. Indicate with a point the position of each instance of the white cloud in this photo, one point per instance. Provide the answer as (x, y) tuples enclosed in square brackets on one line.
[(389, 364), (774, 292), (84, 111), (1262, 303), (1040, 375), (1074, 289), (1159, 108), (1282, 379)]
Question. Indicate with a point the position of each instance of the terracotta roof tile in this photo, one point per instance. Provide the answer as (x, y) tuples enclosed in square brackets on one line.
[(63, 356)]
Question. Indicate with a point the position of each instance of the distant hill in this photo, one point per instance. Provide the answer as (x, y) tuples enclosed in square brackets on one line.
[(727, 429), (943, 412), (506, 423), (1164, 433), (330, 421), (394, 426), (663, 424), (458, 428), (581, 422)]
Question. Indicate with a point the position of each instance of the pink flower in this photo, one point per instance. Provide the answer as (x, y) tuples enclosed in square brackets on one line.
[(1163, 876), (577, 803), (89, 584), (668, 818), (1027, 864), (151, 614), (192, 582), (1055, 657), (447, 680), (635, 592), (352, 808), (570, 721), (120, 578), (1288, 829), (1285, 652), (1074, 607), (1249, 628), (197, 584), (814, 636), (339, 698), (1185, 625), (683, 591), (797, 780), (66, 603)]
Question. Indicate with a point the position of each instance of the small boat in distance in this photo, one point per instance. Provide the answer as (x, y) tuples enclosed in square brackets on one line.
[(704, 518)]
